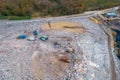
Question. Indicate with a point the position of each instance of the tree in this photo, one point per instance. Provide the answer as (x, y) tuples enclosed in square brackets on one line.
[(84, 5)]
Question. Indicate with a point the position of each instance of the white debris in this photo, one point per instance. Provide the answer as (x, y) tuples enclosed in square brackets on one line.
[(93, 64), (93, 75)]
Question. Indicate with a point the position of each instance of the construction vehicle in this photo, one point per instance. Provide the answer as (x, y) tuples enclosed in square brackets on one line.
[(65, 59)]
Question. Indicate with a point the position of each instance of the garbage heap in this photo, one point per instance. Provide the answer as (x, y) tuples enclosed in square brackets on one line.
[(58, 51)]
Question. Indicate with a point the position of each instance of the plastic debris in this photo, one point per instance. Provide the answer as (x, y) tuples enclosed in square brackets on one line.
[(44, 38), (21, 36), (31, 38), (93, 64), (93, 75), (65, 59)]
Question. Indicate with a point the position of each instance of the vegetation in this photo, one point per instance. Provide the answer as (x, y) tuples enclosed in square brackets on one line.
[(16, 17), (101, 4), (41, 8)]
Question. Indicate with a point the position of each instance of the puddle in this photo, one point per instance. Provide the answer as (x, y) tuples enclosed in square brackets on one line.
[(118, 57), (117, 42)]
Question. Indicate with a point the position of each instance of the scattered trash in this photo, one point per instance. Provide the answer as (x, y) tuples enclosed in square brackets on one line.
[(44, 38), (93, 64), (57, 45), (70, 50), (31, 38), (65, 59), (21, 36), (92, 76), (84, 70)]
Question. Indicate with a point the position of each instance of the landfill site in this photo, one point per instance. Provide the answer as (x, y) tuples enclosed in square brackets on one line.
[(77, 47)]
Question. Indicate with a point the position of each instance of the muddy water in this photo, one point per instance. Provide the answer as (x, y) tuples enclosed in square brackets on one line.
[(117, 41)]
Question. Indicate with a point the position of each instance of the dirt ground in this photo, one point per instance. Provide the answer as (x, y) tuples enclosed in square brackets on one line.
[(64, 25)]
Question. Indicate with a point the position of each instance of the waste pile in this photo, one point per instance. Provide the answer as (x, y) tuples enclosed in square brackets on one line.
[(109, 21), (76, 49)]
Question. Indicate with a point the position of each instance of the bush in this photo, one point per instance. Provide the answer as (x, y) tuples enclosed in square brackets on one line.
[(15, 17), (19, 18)]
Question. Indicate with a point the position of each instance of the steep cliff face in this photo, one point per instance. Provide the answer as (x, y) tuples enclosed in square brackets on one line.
[(91, 59)]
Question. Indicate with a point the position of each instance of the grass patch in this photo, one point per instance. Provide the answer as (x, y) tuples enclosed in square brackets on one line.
[(3, 17), (15, 17), (101, 4)]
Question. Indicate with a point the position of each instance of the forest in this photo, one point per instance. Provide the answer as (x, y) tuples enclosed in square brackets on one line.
[(42, 8)]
